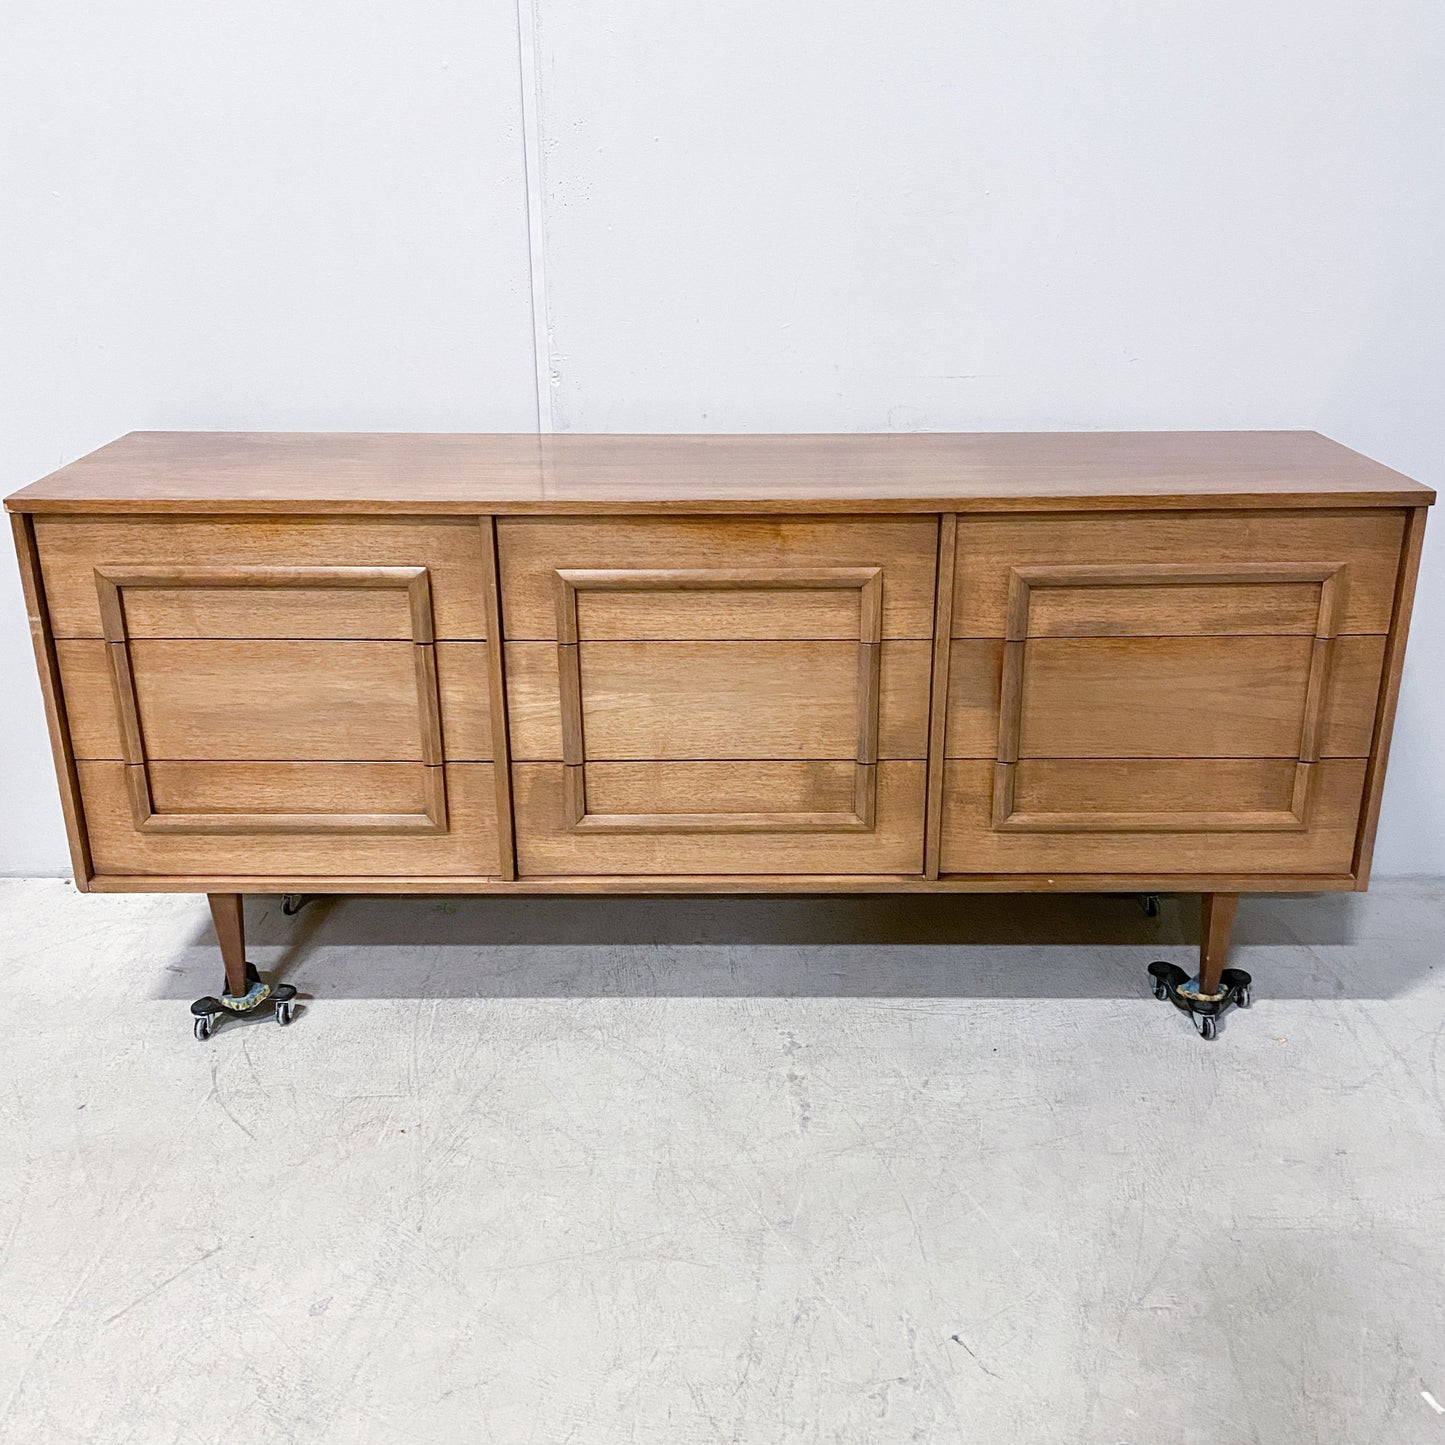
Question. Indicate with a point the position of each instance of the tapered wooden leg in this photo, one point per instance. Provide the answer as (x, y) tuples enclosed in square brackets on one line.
[(1216, 922), (231, 935)]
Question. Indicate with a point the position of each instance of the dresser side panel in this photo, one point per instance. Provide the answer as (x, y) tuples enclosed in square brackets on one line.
[(57, 725)]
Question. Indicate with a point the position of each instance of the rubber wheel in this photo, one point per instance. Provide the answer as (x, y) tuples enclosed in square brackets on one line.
[(1161, 991), (1242, 998), (283, 1012), (1207, 1026), (202, 1027)]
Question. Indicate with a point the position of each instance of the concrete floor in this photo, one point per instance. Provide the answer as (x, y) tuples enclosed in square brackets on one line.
[(724, 1170)]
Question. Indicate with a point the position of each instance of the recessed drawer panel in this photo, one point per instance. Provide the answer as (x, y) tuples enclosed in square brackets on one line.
[(724, 696), (1065, 605), (729, 790), (730, 839), (272, 790), (240, 612), (323, 700), (1170, 697), (718, 700), (1169, 573), (233, 699), (1185, 816), (690, 576), (348, 839), (1052, 794), (229, 576)]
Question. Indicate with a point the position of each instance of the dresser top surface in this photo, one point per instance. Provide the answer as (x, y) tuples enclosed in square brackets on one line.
[(260, 472)]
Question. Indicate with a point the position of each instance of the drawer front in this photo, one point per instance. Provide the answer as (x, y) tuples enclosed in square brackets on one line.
[(275, 789), (718, 700), (1167, 574), (1149, 821), (695, 602), (263, 835), (229, 578), (641, 843), (724, 696), (1163, 697), (1164, 694), (217, 700), (260, 696)]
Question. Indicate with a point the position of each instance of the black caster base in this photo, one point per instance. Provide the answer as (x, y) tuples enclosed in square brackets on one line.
[(1148, 902), (1172, 983), (208, 1013)]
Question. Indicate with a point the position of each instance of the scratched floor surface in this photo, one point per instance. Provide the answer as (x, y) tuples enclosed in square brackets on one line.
[(680, 1173)]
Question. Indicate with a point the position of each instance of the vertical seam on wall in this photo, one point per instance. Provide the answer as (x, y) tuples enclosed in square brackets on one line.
[(529, 84)]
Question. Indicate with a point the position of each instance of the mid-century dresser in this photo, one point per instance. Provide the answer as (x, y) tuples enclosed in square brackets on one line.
[(568, 664)]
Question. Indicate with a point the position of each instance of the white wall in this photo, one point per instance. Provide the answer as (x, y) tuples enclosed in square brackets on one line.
[(791, 215), (260, 214)]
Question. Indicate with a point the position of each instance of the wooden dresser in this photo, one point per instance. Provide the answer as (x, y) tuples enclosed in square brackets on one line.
[(389, 663)]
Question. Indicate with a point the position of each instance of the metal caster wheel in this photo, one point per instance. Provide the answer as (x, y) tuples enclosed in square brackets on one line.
[(1204, 1010), (210, 1012)]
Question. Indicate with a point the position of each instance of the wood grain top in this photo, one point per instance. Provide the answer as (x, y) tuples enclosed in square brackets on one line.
[(269, 472)]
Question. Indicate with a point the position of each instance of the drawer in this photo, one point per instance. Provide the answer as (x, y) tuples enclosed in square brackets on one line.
[(273, 791), (258, 577), (714, 578), (718, 700), (728, 792), (1163, 697), (1165, 574), (253, 823), (669, 838), (215, 700), (219, 737), (734, 695), (1196, 815)]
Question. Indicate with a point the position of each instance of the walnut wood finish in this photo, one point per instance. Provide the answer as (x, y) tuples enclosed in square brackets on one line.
[(366, 714), (280, 788), (499, 734), (338, 701), (1086, 697), (549, 843), (940, 697), (698, 664), (800, 560), (358, 845), (273, 473), (230, 924), (668, 700), (72, 548), (57, 715), (641, 885), (197, 699), (1216, 923), (972, 841), (1146, 556), (677, 699), (1390, 692), (1170, 722), (747, 700)]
